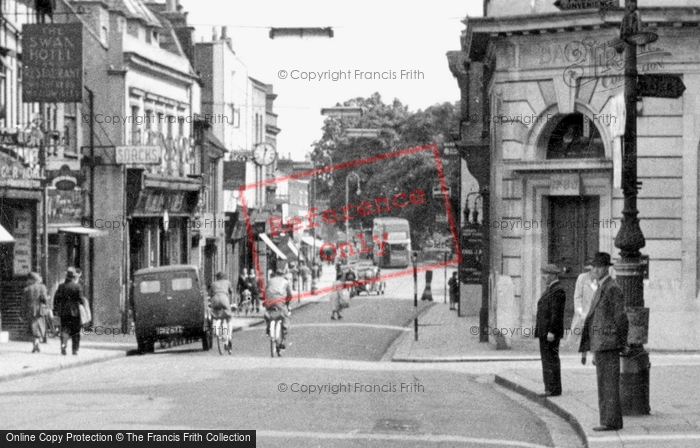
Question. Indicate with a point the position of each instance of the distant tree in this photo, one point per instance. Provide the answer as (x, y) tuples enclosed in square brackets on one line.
[(400, 129)]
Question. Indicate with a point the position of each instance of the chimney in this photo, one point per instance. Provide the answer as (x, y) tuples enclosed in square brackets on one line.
[(213, 33), (223, 33), (170, 5)]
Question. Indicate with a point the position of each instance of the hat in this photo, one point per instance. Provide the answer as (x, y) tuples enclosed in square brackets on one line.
[(70, 274), (551, 268), (601, 259)]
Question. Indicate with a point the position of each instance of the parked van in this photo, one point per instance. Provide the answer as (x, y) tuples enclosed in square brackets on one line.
[(170, 304)]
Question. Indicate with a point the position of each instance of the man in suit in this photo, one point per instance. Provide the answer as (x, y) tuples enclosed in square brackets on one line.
[(605, 334), (67, 300), (549, 329)]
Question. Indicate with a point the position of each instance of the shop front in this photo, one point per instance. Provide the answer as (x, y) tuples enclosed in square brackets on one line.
[(20, 199)]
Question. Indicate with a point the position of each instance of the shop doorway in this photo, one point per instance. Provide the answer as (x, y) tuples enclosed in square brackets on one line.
[(573, 227)]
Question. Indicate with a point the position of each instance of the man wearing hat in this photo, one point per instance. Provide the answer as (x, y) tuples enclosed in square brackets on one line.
[(605, 334), (549, 329), (67, 300)]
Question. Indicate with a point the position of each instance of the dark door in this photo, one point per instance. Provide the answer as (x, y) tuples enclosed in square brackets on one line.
[(573, 239)]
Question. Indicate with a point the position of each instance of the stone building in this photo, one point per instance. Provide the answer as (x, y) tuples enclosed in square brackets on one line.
[(540, 96)]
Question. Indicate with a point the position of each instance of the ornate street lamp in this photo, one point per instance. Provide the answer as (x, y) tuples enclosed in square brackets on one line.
[(634, 377)]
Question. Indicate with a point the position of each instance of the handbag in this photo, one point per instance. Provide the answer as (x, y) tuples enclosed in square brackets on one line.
[(84, 308)]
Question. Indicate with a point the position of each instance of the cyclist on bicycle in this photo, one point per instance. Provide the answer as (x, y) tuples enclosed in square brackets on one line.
[(220, 303), (278, 295)]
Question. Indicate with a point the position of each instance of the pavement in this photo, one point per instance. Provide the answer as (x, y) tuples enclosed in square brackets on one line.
[(674, 420), (106, 343)]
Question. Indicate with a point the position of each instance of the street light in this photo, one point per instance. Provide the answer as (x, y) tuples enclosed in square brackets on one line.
[(347, 199), (634, 376), (414, 259)]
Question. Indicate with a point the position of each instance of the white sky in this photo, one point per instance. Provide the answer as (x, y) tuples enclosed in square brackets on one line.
[(374, 36)]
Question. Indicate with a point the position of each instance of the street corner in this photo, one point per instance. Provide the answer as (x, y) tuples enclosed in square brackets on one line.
[(371, 235)]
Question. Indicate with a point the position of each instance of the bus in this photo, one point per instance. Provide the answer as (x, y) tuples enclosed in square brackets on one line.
[(397, 250)]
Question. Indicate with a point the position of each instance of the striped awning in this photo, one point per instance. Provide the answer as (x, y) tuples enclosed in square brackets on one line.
[(272, 246)]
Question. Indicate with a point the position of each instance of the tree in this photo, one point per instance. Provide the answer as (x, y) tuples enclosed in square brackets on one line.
[(400, 129)]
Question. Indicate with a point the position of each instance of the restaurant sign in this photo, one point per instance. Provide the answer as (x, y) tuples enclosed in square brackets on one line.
[(52, 60)]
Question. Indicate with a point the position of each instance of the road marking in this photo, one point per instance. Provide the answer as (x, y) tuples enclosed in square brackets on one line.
[(434, 438), (644, 438), (349, 324)]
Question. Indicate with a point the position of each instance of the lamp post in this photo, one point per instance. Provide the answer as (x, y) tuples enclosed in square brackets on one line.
[(414, 259), (347, 199), (634, 377)]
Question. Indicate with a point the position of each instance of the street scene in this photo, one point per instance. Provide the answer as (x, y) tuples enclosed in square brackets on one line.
[(273, 223)]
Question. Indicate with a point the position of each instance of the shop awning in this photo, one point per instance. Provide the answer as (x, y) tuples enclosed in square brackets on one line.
[(310, 241), (290, 250), (293, 247), (92, 233), (272, 246), (5, 236)]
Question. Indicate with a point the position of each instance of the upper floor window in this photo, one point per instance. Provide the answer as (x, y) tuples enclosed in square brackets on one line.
[(575, 137)]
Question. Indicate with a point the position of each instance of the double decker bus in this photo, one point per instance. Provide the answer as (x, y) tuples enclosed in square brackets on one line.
[(397, 250)]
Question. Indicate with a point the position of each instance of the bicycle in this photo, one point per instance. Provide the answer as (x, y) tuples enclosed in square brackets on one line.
[(275, 335), (223, 341)]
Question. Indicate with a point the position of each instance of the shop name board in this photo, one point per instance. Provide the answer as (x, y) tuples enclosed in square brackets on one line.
[(19, 172), (156, 201), (53, 62), (472, 241), (142, 155)]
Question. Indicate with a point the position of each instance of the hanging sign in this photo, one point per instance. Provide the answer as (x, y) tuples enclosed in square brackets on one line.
[(52, 58)]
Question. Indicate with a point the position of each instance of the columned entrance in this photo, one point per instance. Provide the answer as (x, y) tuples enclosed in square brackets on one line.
[(573, 226)]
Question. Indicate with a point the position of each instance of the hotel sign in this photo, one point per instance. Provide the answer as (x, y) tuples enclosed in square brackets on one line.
[(52, 60)]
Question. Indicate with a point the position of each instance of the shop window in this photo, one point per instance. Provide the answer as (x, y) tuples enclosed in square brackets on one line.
[(575, 137)]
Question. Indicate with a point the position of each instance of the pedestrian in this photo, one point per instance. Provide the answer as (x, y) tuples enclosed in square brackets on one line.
[(67, 300), (242, 285), (605, 334), (586, 286), (328, 255), (36, 308), (293, 276), (549, 329), (305, 276), (453, 284), (254, 291), (336, 295)]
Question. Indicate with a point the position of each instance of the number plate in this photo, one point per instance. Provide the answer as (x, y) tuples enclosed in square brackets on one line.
[(178, 329)]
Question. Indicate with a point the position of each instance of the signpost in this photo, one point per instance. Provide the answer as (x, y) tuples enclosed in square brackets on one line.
[(472, 241), (660, 86)]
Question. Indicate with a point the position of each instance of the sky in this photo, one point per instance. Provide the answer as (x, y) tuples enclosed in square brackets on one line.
[(369, 36)]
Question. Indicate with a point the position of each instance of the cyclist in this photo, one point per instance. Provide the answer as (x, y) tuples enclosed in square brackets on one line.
[(278, 296), (221, 291)]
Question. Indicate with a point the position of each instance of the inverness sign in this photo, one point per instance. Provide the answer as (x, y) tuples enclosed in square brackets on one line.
[(53, 62)]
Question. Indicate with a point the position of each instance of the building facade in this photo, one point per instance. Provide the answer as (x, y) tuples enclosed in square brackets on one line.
[(541, 98)]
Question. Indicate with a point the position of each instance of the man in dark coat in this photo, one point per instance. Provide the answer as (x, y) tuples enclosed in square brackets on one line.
[(67, 299), (550, 329), (605, 334)]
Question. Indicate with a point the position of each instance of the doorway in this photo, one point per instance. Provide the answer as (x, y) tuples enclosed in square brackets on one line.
[(573, 239)]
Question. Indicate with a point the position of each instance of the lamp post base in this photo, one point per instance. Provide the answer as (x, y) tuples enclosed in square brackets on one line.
[(634, 382)]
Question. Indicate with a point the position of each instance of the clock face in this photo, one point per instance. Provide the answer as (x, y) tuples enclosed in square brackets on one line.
[(264, 154)]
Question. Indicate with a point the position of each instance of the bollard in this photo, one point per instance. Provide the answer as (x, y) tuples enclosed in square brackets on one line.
[(427, 293)]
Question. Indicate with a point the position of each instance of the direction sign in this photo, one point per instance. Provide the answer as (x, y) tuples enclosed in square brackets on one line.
[(660, 86)]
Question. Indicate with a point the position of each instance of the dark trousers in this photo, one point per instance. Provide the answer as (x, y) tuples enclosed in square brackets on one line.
[(551, 365), (70, 328), (607, 369)]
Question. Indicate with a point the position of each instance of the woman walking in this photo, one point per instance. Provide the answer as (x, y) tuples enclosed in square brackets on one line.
[(336, 295), (36, 308)]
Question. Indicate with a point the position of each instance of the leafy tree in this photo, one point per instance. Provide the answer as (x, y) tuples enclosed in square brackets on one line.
[(400, 129)]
